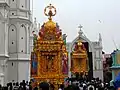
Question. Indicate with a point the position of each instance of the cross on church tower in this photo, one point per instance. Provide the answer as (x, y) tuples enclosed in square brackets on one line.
[(80, 26), (80, 31)]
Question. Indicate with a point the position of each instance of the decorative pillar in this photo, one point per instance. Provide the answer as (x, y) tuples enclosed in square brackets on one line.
[(69, 62)]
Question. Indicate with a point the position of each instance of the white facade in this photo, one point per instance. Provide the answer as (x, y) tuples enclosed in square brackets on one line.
[(15, 25)]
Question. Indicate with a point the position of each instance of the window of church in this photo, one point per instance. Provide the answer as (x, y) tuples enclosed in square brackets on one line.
[(12, 63), (12, 29), (12, 42), (22, 6), (21, 50), (12, 13), (22, 25), (13, 0), (21, 37)]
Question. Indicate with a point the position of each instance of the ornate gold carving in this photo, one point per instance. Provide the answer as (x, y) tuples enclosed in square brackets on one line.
[(49, 48), (50, 28)]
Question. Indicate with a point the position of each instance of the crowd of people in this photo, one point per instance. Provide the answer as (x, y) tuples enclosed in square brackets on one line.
[(94, 84), (74, 83), (24, 85)]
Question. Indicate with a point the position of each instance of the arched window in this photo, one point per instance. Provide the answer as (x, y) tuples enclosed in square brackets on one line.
[(22, 39), (12, 39)]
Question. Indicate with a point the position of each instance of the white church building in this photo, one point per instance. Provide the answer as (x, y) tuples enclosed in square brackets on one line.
[(15, 25), (16, 28)]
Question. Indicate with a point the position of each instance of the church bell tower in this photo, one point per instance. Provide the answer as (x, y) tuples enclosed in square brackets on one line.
[(18, 40), (4, 7)]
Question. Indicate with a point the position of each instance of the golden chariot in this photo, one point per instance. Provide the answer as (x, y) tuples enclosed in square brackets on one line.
[(79, 58), (49, 59)]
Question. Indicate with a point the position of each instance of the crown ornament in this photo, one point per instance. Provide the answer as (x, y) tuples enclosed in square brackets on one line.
[(51, 12)]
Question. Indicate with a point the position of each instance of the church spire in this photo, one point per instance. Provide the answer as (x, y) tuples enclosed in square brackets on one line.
[(100, 38), (35, 20)]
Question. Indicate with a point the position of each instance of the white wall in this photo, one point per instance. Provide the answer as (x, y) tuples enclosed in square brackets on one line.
[(13, 13), (13, 3), (22, 4), (12, 71), (28, 4), (23, 70)]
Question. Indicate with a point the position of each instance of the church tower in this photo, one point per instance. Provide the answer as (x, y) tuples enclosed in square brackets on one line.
[(4, 5), (18, 40), (98, 68)]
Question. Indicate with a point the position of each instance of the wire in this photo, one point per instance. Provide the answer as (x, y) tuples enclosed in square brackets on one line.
[(114, 44)]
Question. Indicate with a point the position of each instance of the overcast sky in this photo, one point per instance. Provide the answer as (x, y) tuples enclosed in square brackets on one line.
[(71, 13)]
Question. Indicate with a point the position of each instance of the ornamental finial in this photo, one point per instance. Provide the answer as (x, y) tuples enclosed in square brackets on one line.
[(50, 12)]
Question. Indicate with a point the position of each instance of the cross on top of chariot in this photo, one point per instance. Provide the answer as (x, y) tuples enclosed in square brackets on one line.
[(51, 12)]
